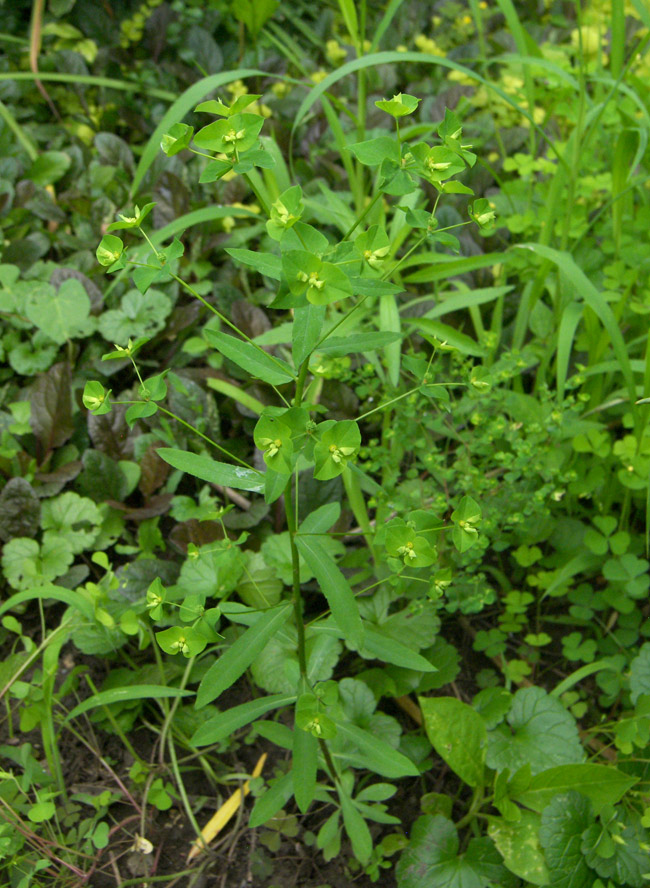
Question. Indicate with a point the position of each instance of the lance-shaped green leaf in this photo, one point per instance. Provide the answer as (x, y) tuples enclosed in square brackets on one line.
[(273, 438), (238, 657), (212, 470), (285, 212), (224, 724), (356, 828), (304, 767), (376, 753), (334, 586), (307, 325), (177, 139), (338, 442), (236, 133), (251, 358), (399, 106), (270, 802), (358, 342), (48, 590), (465, 518), (124, 695)]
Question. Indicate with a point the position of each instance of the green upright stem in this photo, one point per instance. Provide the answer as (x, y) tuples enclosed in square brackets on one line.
[(300, 383), (295, 564), (363, 215), (205, 437), (292, 524), (328, 759)]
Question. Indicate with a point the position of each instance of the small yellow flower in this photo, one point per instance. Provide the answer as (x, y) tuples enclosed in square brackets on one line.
[(318, 76), (334, 52), (459, 77), (280, 89), (539, 114), (590, 37), (237, 88), (426, 44)]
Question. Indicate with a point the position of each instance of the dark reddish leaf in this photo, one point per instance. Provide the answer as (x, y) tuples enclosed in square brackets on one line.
[(200, 533), (20, 510), (157, 505), (110, 433), (51, 483), (249, 318), (154, 472), (51, 400)]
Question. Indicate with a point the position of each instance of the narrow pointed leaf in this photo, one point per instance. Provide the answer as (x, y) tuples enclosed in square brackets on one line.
[(226, 723), (304, 767), (123, 695), (212, 470), (335, 587), (378, 755), (275, 798), (250, 358), (239, 656)]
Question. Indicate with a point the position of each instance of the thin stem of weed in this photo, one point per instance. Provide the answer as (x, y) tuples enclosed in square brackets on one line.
[(115, 725), (188, 425), (232, 326), (363, 214), (166, 725)]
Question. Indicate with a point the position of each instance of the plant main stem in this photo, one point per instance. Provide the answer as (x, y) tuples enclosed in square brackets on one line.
[(292, 524), (295, 564)]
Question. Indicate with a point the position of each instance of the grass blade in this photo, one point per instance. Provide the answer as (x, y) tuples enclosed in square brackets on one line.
[(56, 593), (566, 333), (583, 286), (122, 695), (182, 106)]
